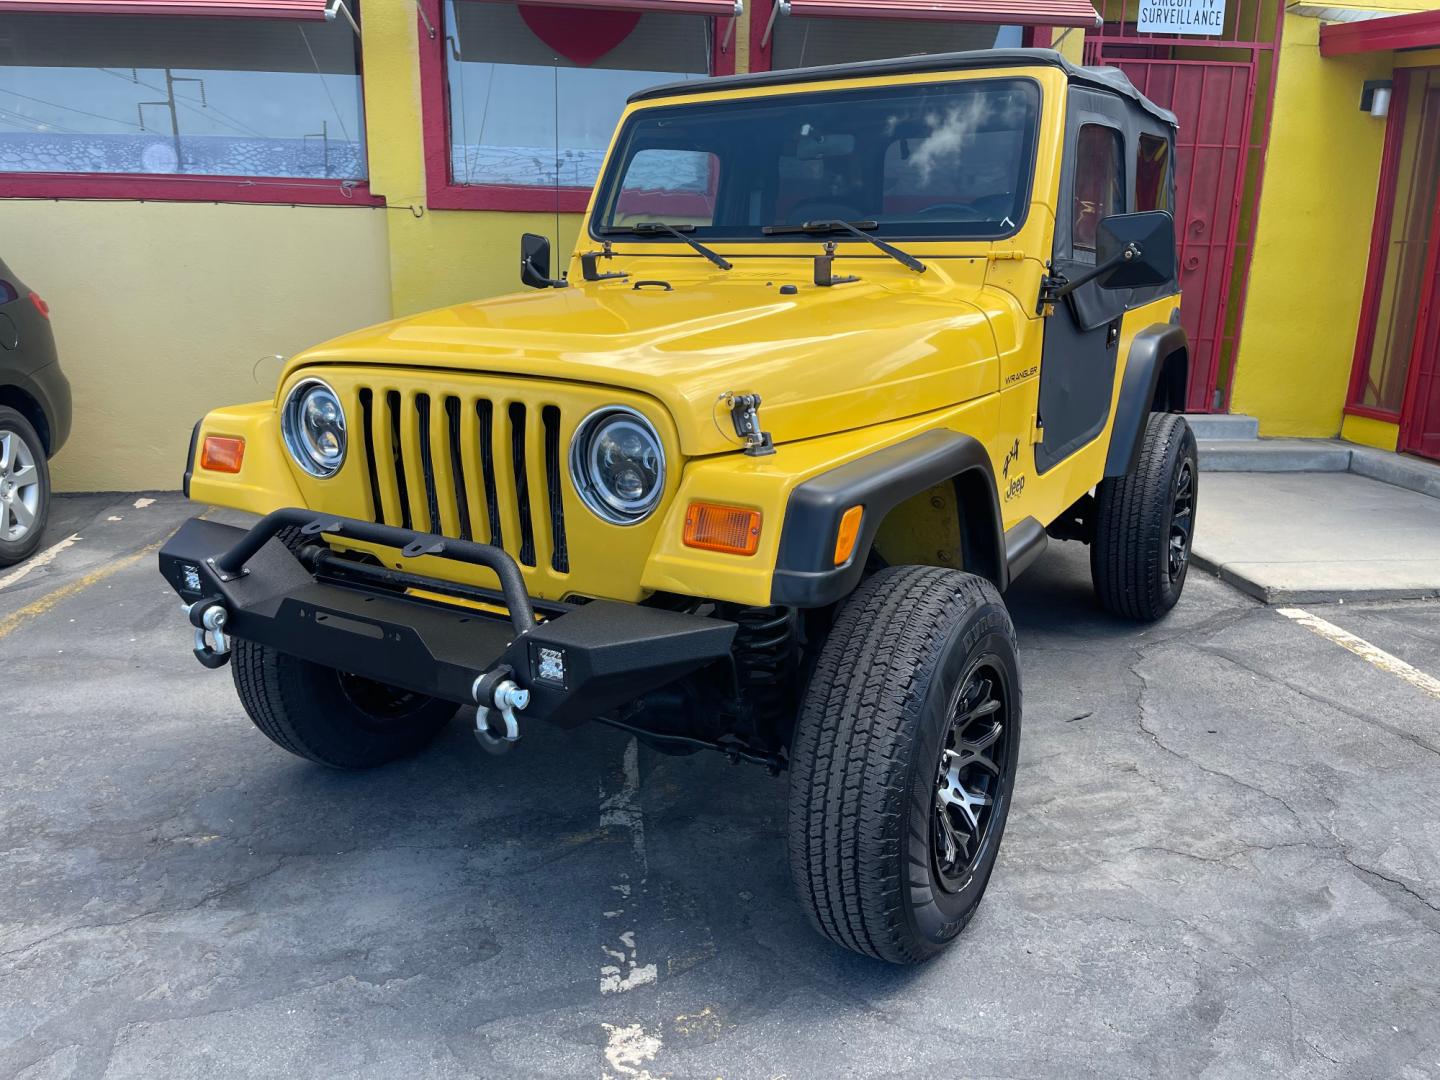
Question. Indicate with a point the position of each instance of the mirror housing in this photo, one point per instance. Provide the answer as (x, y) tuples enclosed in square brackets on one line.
[(1137, 250), (535, 263)]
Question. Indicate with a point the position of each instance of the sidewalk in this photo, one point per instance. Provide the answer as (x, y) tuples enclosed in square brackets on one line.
[(1300, 528)]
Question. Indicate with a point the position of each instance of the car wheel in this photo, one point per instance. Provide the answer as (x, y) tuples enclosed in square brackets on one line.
[(903, 762), (1145, 524), (24, 488), (331, 717)]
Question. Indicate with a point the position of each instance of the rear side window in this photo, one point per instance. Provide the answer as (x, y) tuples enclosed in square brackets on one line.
[(7, 292), (1152, 174), (1099, 183)]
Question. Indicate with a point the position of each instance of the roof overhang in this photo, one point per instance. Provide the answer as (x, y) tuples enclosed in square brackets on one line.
[(248, 9), (1004, 12), (722, 8), (1418, 30)]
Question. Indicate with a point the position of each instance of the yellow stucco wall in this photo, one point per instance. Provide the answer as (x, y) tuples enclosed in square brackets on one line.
[(161, 312), (1313, 237), (1369, 432)]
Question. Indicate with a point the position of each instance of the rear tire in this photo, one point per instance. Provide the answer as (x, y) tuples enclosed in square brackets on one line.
[(329, 717), (24, 488), (1145, 522), (919, 657)]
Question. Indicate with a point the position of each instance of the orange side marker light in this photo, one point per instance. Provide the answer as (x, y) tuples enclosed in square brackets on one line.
[(848, 535)]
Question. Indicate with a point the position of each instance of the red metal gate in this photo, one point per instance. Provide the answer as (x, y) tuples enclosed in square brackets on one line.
[(1224, 121)]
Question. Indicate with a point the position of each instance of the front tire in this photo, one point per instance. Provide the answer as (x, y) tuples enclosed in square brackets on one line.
[(1145, 523), (330, 717), (24, 488), (903, 762)]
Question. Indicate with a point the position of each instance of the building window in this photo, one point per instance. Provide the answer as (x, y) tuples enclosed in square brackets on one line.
[(157, 96), (1099, 184), (1152, 174), (533, 94), (807, 42)]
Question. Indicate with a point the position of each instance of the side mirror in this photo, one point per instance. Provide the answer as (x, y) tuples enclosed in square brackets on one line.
[(1136, 250), (535, 263)]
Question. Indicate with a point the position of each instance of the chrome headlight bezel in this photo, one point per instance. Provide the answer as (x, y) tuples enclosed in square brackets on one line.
[(290, 429), (608, 506)]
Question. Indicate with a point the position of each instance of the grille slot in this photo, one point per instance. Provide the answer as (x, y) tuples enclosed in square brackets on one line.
[(457, 465), (560, 553), (522, 483), (468, 467)]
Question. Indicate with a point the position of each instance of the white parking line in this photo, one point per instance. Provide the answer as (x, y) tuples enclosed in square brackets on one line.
[(36, 561), (1363, 649)]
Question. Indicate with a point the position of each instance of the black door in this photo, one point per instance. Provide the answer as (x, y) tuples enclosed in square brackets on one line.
[(1077, 368)]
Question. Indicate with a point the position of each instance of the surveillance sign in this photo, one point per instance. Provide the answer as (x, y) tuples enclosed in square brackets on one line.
[(1175, 17)]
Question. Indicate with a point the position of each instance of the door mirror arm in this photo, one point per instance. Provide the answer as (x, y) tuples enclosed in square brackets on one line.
[(535, 263), (1054, 288)]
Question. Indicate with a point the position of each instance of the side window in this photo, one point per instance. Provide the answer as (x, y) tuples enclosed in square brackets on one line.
[(1099, 184), (1152, 174)]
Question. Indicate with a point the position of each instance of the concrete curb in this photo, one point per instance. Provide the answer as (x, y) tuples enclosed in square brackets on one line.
[(1273, 596)]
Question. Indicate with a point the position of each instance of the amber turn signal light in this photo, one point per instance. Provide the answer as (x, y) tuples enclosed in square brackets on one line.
[(848, 535), (222, 454), (731, 529)]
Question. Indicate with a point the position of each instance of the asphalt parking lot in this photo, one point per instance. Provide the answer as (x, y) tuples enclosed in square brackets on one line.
[(1224, 861)]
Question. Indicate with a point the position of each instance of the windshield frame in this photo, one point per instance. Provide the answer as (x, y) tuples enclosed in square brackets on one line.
[(611, 175)]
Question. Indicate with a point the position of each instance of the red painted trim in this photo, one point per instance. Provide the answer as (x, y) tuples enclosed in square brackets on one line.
[(227, 189), (1379, 241), (1420, 30), (1373, 414), (1002, 12), (440, 192), (247, 9), (1411, 437), (719, 8), (1037, 37)]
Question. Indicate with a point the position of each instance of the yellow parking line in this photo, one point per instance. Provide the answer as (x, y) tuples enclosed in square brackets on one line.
[(1363, 649), (49, 600)]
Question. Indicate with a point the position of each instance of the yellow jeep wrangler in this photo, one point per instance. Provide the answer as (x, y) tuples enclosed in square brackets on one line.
[(836, 352)]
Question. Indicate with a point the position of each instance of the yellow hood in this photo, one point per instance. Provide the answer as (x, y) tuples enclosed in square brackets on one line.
[(891, 345)]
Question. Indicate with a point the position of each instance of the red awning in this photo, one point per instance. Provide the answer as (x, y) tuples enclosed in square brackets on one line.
[(725, 8), (1021, 12), (1420, 30), (248, 9)]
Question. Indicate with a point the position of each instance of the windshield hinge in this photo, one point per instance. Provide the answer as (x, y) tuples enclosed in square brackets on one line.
[(1011, 254), (745, 415), (590, 271), (824, 274), (1052, 288)]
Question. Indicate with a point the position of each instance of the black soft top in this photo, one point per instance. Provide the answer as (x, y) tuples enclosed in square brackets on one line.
[(1101, 78)]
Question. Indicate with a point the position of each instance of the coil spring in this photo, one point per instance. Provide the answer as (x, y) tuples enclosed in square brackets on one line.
[(765, 653)]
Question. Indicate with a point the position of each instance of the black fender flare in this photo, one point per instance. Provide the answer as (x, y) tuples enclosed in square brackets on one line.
[(1146, 365), (805, 572)]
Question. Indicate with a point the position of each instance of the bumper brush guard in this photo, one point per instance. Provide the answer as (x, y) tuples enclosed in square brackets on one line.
[(568, 664)]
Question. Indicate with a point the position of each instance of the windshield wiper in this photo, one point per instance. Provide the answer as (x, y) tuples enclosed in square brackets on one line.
[(820, 228), (645, 228)]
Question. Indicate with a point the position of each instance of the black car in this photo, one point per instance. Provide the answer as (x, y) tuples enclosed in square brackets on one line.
[(34, 416)]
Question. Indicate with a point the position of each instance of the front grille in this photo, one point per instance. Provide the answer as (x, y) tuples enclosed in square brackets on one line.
[(468, 467)]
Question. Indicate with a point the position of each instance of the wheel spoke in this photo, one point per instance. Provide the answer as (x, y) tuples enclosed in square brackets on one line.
[(7, 451), (24, 476), (23, 515), (4, 520)]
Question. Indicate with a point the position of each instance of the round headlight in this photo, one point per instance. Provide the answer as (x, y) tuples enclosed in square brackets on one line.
[(618, 465), (313, 423)]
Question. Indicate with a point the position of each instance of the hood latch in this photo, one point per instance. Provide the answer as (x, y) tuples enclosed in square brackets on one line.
[(745, 415)]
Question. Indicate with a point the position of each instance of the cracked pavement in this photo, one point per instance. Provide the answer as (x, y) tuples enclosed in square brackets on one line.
[(1223, 861)]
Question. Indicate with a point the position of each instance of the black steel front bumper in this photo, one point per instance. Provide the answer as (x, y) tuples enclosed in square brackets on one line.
[(577, 661)]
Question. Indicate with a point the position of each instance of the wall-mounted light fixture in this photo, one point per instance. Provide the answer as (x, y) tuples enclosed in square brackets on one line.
[(1375, 97)]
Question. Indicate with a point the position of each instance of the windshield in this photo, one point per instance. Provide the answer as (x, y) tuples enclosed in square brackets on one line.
[(942, 160)]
